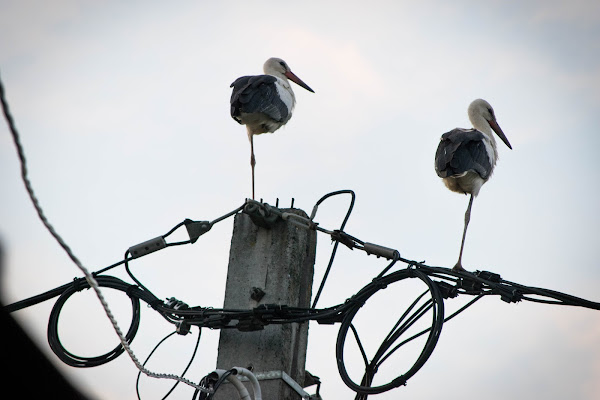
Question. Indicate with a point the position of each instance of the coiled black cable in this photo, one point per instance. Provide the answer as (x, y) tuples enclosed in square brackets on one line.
[(436, 304), (134, 293)]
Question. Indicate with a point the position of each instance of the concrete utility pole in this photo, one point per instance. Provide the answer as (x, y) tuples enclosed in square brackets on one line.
[(268, 266)]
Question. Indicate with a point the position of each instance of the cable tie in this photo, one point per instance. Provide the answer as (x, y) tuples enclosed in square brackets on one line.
[(355, 301), (399, 381), (129, 291), (489, 276), (79, 285), (372, 369), (379, 283), (155, 304)]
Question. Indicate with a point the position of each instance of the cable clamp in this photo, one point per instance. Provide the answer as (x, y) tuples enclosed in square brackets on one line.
[(196, 229), (381, 251), (508, 294), (446, 289), (262, 214), (182, 328), (489, 276), (175, 304), (277, 310), (250, 324), (470, 285), (147, 247), (345, 239)]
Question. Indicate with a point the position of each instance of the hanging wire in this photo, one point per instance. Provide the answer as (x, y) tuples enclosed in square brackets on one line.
[(137, 382), (335, 245)]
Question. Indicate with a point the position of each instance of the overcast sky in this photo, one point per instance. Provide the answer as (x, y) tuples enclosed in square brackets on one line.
[(124, 115)]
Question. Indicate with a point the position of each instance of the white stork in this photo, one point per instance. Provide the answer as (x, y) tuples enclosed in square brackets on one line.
[(264, 103), (465, 158)]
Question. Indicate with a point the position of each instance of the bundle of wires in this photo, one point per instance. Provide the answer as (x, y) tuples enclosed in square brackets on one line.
[(135, 294)]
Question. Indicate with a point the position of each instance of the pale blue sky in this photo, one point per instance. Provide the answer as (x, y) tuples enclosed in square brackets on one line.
[(124, 115)]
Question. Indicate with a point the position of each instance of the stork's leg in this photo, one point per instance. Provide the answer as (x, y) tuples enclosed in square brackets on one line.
[(458, 266), (252, 160)]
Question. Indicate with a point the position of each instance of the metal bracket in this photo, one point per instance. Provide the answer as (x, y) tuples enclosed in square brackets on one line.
[(196, 228), (270, 375)]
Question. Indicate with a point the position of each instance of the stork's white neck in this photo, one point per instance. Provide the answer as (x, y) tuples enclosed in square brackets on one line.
[(481, 124), (281, 79), (275, 69)]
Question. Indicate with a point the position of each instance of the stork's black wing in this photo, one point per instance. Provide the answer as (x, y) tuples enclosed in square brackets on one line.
[(257, 94), (462, 150)]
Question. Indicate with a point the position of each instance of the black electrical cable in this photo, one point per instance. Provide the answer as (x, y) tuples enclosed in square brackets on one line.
[(137, 381), (37, 298), (59, 290), (133, 276), (335, 245), (424, 331), (360, 346), (123, 261), (390, 265), (436, 304), (73, 360)]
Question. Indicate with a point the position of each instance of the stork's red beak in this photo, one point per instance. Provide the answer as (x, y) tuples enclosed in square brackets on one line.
[(292, 77), (499, 132)]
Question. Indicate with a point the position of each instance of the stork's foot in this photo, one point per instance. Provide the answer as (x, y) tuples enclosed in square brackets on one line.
[(458, 267)]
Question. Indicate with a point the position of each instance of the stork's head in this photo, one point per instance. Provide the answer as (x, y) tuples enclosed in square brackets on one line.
[(480, 113), (279, 68)]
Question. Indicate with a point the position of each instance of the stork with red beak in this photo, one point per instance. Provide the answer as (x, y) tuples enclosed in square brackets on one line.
[(465, 158), (264, 103)]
